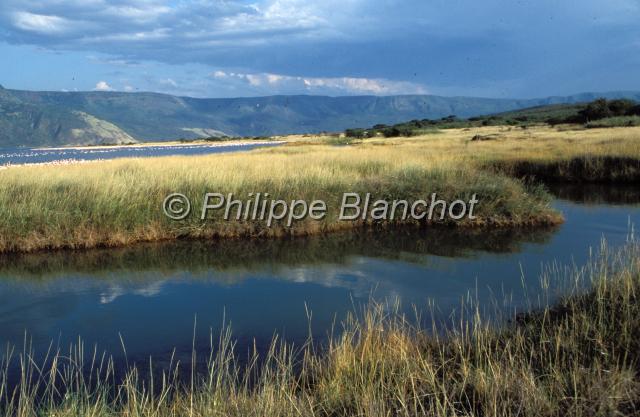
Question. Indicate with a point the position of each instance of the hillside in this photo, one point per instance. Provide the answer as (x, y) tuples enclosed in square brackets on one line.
[(597, 113), (29, 118)]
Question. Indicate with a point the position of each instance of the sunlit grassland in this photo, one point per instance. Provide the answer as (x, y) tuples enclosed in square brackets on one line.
[(567, 153), (577, 355), (117, 202)]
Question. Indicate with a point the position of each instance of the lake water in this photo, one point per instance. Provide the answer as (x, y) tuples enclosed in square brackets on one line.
[(13, 156), (151, 294)]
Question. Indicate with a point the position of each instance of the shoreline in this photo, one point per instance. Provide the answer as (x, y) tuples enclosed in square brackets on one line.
[(65, 162), (549, 220), (163, 145)]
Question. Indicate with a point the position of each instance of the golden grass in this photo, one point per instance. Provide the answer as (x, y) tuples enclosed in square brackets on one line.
[(119, 202), (579, 357)]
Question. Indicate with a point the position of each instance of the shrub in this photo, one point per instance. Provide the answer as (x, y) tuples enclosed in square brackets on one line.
[(359, 133), (620, 121), (396, 131)]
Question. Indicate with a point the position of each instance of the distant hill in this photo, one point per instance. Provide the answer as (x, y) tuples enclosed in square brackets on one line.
[(30, 118), (594, 114)]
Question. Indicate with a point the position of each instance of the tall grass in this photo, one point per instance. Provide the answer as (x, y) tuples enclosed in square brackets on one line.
[(118, 202), (577, 355)]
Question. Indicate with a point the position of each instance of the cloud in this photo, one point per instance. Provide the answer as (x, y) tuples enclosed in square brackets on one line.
[(113, 61), (169, 82), (319, 85), (104, 24), (345, 46), (102, 86), (39, 23)]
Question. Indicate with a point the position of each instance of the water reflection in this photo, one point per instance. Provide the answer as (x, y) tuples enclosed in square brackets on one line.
[(150, 294), (148, 261), (597, 193)]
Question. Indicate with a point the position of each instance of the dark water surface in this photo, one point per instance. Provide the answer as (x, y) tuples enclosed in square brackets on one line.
[(13, 156), (151, 294)]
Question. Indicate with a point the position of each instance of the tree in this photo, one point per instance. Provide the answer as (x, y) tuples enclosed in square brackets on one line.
[(597, 109), (621, 107)]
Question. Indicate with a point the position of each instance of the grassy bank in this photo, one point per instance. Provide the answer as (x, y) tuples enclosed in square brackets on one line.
[(119, 202), (569, 155), (579, 356)]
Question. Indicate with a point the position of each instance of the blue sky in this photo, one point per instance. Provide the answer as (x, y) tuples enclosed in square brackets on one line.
[(227, 48)]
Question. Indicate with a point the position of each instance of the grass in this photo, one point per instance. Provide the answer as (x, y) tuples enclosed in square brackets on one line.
[(118, 202), (578, 355), (619, 121), (570, 156)]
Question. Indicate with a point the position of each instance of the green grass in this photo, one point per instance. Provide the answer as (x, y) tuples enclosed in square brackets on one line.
[(578, 355), (621, 121)]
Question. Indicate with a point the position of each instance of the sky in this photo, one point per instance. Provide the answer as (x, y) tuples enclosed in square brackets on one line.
[(234, 48)]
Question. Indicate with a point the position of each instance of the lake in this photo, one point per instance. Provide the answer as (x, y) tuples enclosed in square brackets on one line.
[(14, 156), (151, 295)]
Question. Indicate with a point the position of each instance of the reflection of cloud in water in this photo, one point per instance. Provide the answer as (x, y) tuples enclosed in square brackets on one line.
[(113, 291), (387, 263), (361, 276), (150, 293)]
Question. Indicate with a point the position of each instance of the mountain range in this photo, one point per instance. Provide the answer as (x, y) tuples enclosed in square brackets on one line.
[(45, 118)]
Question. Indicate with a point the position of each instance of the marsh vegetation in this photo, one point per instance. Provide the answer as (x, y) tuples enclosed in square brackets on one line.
[(119, 202)]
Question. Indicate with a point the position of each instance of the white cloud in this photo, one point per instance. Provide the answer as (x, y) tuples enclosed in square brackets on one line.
[(40, 23), (169, 82), (322, 85), (113, 61), (142, 13), (102, 86)]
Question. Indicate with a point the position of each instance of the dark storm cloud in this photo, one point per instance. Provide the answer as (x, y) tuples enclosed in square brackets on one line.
[(489, 47)]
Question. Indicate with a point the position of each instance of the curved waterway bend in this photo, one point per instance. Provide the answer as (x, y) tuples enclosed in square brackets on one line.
[(151, 294)]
